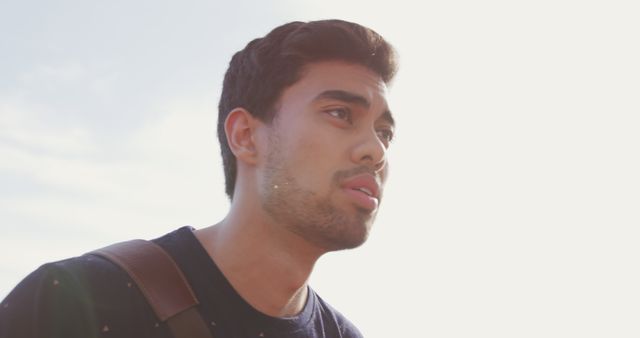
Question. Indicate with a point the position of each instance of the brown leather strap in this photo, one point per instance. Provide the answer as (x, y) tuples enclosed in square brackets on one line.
[(162, 283)]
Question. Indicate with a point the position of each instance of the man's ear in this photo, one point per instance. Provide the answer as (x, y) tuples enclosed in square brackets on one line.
[(240, 127)]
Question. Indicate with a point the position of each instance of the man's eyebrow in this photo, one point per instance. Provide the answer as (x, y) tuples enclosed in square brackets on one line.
[(388, 117), (349, 97), (345, 96)]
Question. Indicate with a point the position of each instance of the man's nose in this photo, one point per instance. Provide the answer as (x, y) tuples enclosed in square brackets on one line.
[(370, 151)]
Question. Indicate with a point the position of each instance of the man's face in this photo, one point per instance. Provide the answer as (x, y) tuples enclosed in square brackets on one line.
[(326, 158)]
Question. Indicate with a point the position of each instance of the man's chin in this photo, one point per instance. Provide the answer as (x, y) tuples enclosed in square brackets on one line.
[(351, 238), (353, 244)]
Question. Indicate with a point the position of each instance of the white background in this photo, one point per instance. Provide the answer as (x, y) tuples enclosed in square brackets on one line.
[(512, 209)]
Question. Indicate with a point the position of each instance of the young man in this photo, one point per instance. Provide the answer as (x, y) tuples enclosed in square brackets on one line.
[(304, 127)]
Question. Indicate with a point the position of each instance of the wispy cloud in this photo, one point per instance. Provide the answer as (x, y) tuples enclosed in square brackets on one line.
[(22, 128)]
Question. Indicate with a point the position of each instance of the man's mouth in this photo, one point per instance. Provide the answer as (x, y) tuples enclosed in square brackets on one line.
[(363, 190)]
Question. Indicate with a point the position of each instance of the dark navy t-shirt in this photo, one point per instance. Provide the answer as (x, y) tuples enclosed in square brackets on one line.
[(89, 296)]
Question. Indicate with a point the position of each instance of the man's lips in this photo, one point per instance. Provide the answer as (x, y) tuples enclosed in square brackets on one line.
[(364, 189)]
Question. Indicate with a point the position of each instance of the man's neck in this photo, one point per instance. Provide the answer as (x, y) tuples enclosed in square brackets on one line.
[(267, 265)]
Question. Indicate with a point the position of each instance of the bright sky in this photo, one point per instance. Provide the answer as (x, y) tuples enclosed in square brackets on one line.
[(513, 206)]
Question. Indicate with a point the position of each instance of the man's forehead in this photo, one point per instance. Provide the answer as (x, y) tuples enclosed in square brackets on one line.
[(336, 75)]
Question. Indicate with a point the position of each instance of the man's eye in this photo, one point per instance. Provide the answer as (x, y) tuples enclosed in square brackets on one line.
[(340, 113), (386, 135)]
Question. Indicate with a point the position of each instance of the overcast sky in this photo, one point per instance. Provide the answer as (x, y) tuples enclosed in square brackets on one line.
[(512, 209)]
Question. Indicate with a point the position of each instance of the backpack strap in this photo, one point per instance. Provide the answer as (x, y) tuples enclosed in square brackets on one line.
[(162, 283)]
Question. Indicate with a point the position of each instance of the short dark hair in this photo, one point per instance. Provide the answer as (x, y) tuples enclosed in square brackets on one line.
[(259, 73)]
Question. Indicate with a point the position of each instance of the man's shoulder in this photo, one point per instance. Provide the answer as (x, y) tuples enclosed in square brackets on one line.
[(60, 299), (88, 294), (81, 278), (90, 272), (76, 273)]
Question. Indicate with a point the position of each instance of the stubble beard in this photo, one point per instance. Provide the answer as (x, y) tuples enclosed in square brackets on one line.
[(314, 218)]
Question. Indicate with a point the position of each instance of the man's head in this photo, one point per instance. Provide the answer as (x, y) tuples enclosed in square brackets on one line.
[(259, 74)]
